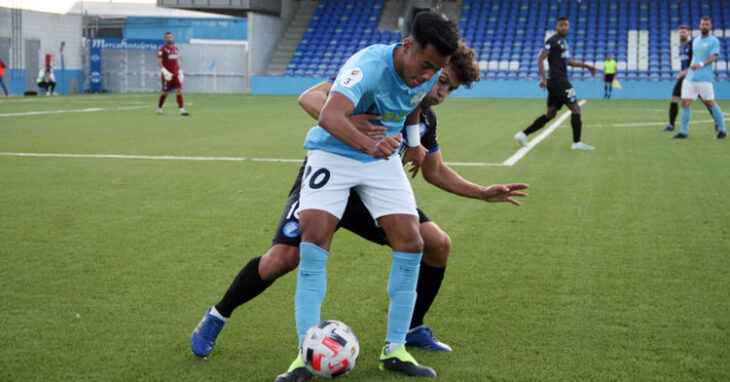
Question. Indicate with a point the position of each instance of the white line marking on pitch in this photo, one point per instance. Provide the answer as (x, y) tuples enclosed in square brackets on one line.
[(647, 123), (87, 110), (523, 151), (169, 157)]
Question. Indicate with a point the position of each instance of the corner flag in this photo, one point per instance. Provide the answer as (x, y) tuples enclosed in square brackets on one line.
[(616, 84)]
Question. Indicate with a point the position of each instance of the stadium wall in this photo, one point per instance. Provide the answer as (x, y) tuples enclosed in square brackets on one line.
[(49, 30), (502, 89), (264, 32)]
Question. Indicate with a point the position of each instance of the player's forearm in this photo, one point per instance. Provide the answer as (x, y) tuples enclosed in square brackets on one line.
[(415, 117), (341, 128), (312, 103), (541, 69), (449, 180), (577, 64), (709, 61)]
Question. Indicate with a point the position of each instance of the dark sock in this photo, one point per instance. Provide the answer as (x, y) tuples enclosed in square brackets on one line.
[(247, 285), (429, 283), (179, 101), (537, 125), (162, 100), (673, 111), (576, 124)]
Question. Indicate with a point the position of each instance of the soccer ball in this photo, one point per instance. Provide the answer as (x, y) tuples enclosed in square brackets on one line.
[(330, 349)]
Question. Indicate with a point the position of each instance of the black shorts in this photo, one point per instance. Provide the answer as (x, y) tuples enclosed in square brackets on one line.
[(356, 218), (677, 91), (609, 77), (560, 92)]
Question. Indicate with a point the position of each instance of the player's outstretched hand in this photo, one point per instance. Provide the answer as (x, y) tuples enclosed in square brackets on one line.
[(387, 146), (362, 123), (592, 69), (543, 84), (504, 193), (414, 156)]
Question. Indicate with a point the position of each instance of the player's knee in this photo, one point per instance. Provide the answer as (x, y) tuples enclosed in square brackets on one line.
[(550, 114), (436, 252), (410, 242)]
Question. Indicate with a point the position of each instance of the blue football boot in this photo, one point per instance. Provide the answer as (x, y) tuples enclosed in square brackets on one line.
[(422, 337), (202, 340)]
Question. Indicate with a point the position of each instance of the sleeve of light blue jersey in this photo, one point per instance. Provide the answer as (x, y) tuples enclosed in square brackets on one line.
[(356, 79), (715, 48)]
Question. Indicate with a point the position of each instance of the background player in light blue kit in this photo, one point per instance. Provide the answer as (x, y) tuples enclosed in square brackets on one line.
[(700, 78), (388, 80)]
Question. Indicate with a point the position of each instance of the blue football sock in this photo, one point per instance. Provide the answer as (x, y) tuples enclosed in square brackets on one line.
[(717, 113), (311, 287), (402, 292), (686, 111)]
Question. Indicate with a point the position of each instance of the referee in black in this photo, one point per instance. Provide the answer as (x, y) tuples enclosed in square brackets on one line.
[(560, 91)]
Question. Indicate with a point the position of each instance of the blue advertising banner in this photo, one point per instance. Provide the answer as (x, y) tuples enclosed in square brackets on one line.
[(97, 44)]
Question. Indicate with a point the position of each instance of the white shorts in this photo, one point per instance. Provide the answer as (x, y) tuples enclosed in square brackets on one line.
[(383, 185), (691, 89)]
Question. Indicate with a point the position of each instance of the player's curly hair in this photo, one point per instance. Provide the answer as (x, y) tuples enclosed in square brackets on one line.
[(465, 65)]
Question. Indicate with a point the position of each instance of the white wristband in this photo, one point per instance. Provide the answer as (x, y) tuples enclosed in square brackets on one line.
[(413, 135), (701, 64)]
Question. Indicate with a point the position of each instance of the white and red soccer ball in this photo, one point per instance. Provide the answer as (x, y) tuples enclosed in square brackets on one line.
[(330, 349)]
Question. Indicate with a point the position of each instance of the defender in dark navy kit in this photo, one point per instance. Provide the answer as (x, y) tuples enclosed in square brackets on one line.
[(560, 91), (685, 57)]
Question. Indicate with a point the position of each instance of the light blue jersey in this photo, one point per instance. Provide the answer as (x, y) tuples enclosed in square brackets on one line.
[(369, 80), (702, 49)]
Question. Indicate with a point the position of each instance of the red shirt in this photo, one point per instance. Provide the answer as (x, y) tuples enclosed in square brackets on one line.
[(2, 68), (169, 58)]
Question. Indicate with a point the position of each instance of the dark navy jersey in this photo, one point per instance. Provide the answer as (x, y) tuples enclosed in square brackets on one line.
[(558, 56), (428, 132), (685, 54)]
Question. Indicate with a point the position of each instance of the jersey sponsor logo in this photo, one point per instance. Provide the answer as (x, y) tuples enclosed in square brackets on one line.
[(172, 57), (351, 78), (291, 229), (417, 98), (394, 116)]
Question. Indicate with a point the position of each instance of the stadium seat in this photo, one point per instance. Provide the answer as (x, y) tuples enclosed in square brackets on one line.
[(508, 34)]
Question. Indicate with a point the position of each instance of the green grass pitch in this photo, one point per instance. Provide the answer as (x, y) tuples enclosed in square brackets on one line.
[(616, 267)]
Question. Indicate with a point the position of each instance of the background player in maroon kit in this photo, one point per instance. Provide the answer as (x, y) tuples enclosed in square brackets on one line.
[(172, 75)]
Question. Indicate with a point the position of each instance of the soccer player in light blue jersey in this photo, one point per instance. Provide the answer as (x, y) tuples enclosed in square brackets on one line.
[(700, 78), (390, 81)]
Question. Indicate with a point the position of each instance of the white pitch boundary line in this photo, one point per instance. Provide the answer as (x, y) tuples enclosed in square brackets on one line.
[(87, 110), (165, 157), (647, 124), (523, 151), (170, 157)]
